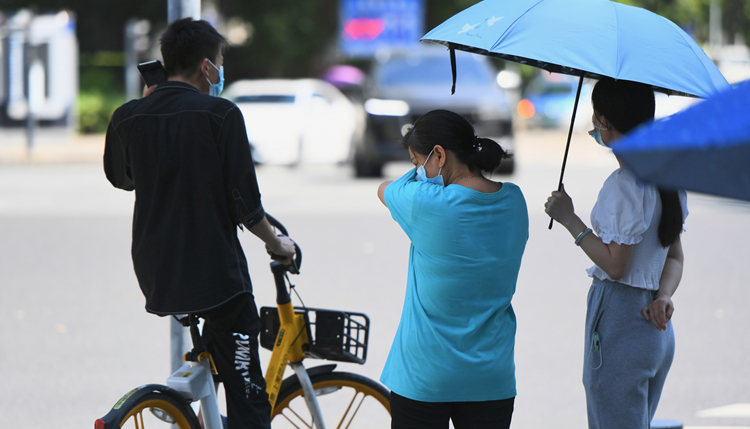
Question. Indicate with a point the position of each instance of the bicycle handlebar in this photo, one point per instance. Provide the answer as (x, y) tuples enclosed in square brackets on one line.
[(295, 264)]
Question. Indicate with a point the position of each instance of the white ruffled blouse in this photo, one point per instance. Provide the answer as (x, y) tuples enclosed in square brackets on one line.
[(628, 212)]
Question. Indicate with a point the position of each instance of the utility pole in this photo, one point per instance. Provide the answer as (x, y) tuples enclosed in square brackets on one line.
[(715, 31), (136, 42), (31, 97), (178, 9)]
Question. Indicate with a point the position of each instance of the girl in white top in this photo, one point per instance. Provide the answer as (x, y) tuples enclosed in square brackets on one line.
[(635, 246)]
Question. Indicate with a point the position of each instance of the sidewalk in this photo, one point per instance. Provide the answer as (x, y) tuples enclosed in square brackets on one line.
[(51, 146), (57, 145)]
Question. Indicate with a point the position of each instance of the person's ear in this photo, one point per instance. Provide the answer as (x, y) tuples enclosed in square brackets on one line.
[(204, 67), (605, 122), (440, 154)]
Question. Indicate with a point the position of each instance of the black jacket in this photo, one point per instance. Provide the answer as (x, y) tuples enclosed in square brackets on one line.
[(187, 157)]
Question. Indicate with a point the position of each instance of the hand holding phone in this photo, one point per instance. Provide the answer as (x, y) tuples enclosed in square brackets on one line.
[(153, 73), (147, 90)]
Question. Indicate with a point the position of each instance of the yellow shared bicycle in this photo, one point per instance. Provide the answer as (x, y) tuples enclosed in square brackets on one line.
[(317, 397)]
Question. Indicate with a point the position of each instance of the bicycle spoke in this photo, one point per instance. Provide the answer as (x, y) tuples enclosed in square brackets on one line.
[(356, 410), (290, 421), (346, 412), (349, 407), (309, 426), (343, 398)]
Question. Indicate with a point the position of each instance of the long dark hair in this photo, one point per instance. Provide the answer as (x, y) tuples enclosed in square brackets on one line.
[(455, 134), (626, 105)]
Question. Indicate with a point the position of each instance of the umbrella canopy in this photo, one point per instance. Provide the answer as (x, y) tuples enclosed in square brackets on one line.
[(585, 37), (705, 148)]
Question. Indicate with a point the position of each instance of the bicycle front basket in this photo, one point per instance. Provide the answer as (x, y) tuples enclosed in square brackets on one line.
[(338, 335), (335, 335)]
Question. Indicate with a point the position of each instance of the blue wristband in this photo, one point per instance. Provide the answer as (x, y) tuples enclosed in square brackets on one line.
[(581, 235)]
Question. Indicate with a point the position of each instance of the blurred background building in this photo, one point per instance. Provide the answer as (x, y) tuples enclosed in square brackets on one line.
[(38, 68), (43, 73)]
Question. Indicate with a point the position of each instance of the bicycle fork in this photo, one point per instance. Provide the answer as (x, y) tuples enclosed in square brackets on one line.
[(310, 398)]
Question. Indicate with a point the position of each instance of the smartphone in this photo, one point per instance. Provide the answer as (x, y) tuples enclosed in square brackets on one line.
[(153, 72)]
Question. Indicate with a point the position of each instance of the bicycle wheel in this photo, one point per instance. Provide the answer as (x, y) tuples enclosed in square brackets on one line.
[(156, 410), (346, 401)]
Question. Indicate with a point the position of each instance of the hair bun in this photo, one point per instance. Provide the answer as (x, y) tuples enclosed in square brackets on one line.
[(477, 144)]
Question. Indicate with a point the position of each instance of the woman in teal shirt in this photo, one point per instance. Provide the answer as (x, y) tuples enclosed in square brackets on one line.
[(452, 357)]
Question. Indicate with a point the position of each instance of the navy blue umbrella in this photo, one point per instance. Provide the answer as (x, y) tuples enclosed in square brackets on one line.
[(705, 148)]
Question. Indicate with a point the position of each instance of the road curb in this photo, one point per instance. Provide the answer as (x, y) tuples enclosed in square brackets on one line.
[(77, 149)]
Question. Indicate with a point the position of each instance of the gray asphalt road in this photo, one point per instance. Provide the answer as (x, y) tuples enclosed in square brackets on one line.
[(74, 336)]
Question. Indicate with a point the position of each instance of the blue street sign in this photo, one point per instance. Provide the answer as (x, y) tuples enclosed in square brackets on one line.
[(367, 26)]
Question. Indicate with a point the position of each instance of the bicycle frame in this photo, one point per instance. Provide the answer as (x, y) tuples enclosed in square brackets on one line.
[(194, 381), (288, 347)]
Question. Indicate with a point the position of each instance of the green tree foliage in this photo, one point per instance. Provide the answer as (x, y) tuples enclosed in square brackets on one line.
[(440, 10), (97, 100), (693, 16), (736, 19), (290, 37)]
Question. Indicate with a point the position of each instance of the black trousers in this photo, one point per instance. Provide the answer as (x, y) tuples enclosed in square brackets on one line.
[(409, 414), (230, 334)]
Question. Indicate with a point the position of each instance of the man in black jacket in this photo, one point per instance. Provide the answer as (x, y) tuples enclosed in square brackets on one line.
[(186, 155)]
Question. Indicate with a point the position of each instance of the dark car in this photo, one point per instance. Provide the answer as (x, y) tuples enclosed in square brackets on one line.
[(404, 86)]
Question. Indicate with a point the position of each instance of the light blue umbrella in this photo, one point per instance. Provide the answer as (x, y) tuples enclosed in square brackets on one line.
[(591, 37), (705, 148), (585, 38)]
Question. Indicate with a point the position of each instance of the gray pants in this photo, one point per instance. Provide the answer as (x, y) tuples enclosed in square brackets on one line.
[(626, 360)]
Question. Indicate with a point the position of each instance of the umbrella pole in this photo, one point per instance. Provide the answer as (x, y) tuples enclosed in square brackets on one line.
[(570, 134)]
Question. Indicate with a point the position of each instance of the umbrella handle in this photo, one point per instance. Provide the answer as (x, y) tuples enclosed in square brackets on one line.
[(570, 133), (453, 66)]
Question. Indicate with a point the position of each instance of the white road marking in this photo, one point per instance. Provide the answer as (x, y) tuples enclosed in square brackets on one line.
[(716, 427), (733, 410)]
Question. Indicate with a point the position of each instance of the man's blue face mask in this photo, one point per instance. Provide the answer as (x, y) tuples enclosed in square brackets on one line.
[(422, 175), (214, 89)]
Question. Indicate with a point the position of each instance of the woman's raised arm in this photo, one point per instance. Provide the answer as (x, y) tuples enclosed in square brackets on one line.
[(381, 191)]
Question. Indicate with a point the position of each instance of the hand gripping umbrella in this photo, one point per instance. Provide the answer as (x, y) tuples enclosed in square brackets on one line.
[(705, 148), (584, 38)]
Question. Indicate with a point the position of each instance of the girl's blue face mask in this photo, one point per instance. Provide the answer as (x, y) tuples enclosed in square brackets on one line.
[(422, 176), (597, 135)]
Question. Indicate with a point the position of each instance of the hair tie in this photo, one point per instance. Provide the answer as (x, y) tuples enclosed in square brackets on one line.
[(477, 145)]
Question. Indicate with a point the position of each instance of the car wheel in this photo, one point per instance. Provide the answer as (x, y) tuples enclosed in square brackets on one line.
[(365, 167)]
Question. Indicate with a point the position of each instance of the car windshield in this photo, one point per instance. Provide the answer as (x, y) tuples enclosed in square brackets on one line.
[(264, 98), (432, 70)]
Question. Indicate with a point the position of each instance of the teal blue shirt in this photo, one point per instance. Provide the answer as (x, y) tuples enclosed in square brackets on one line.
[(456, 338)]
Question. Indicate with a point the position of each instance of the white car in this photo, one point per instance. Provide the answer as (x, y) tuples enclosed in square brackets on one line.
[(296, 121)]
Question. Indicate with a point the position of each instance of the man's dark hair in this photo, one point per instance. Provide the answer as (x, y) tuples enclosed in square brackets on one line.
[(186, 43)]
